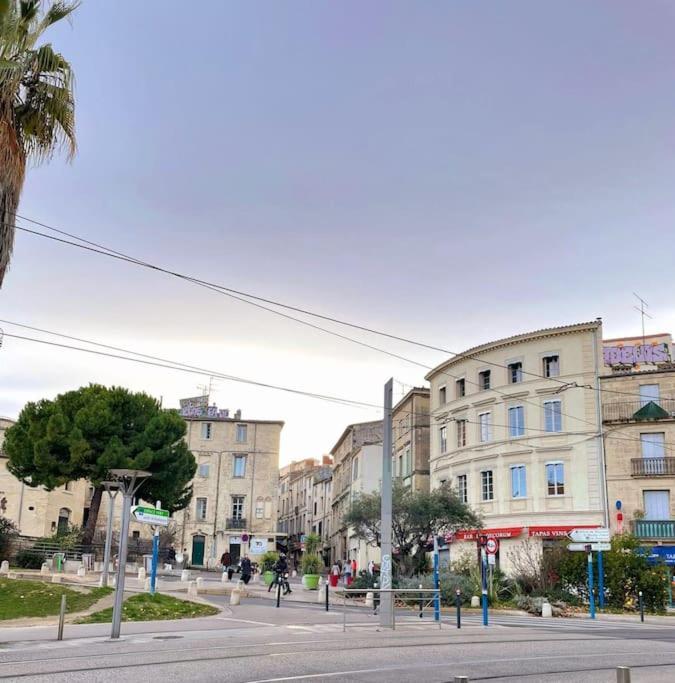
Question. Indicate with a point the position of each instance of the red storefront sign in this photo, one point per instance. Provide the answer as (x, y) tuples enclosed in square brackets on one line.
[(557, 531), (473, 534)]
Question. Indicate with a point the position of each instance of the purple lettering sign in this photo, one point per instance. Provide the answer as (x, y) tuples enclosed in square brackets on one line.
[(634, 355)]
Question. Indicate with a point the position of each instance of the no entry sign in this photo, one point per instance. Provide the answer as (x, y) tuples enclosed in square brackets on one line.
[(492, 546)]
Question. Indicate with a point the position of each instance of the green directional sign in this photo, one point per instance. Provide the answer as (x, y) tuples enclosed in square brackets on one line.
[(147, 515)]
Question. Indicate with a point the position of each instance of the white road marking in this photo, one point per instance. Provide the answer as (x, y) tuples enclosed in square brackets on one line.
[(246, 621)]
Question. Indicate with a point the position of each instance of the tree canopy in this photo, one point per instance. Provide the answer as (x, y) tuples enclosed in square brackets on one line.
[(85, 433), (416, 517)]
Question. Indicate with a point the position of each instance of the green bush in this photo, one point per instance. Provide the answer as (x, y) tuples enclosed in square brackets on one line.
[(311, 564), (268, 561), (29, 559), (8, 532)]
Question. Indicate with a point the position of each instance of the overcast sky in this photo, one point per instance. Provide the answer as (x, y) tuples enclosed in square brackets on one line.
[(453, 171)]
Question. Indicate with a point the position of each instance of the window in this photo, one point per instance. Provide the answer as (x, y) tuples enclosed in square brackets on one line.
[(441, 396), (462, 490), (406, 462), (201, 508), (484, 380), (259, 508), (653, 453), (268, 508), (206, 430), (68, 486), (239, 468), (443, 432), (485, 422), (237, 506), (204, 469), (64, 520), (400, 465), (355, 469), (487, 490), (518, 482), (461, 433), (460, 385), (242, 433), (135, 534), (551, 366), (552, 416), (649, 392), (657, 504), (555, 478), (516, 421), (515, 372)]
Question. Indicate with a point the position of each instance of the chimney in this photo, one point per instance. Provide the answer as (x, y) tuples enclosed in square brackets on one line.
[(237, 414)]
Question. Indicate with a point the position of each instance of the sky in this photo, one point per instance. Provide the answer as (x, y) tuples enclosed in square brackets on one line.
[(454, 172)]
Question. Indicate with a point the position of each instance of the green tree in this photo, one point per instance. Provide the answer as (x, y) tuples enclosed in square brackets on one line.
[(37, 110), (416, 517), (8, 532), (83, 434)]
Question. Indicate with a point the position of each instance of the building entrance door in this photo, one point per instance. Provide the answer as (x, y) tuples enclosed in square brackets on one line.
[(235, 552), (198, 550)]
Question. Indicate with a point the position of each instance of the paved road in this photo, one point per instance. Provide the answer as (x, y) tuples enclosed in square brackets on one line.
[(256, 643)]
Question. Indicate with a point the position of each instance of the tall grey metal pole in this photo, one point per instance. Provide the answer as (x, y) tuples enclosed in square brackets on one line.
[(108, 538), (119, 586), (386, 598)]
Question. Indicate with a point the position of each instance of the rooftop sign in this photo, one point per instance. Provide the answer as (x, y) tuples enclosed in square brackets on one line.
[(198, 406), (634, 355)]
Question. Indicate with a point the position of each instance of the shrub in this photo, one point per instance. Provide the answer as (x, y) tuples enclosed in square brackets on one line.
[(311, 564), (312, 543), (29, 559), (8, 532), (268, 561)]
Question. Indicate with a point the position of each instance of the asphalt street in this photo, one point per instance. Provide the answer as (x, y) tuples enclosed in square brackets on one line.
[(257, 643)]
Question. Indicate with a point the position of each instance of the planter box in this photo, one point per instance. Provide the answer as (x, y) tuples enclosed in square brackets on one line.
[(268, 578), (311, 581)]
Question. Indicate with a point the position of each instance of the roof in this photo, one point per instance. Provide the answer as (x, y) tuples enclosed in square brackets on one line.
[(415, 391), (348, 428), (516, 339), (204, 418)]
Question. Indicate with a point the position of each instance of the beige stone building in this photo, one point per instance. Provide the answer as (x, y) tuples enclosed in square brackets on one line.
[(357, 468), (519, 438), (36, 511), (638, 389), (410, 430), (234, 506)]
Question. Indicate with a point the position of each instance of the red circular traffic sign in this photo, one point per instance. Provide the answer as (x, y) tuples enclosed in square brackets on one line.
[(492, 546)]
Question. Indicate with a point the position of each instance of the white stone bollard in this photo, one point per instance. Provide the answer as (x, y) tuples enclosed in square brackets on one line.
[(141, 574), (294, 574), (56, 578), (146, 584), (4, 567), (185, 575), (192, 589), (475, 601), (81, 571), (113, 580), (200, 583), (370, 599), (11, 575), (235, 595), (223, 577), (44, 569), (546, 610), (321, 592)]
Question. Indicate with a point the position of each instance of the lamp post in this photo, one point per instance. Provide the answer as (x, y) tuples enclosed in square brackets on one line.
[(129, 481), (112, 487)]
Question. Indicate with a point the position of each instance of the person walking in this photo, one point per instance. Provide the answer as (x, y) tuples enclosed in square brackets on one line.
[(347, 573), (246, 569), (371, 567), (334, 575)]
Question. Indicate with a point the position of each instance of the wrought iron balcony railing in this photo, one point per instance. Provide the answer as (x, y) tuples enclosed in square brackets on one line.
[(236, 523), (625, 411)]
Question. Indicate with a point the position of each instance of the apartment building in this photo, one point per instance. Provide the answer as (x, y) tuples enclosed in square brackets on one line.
[(410, 431), (357, 468), (518, 435), (234, 506), (638, 390), (322, 488)]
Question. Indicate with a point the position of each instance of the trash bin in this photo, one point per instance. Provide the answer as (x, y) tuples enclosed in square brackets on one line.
[(58, 561)]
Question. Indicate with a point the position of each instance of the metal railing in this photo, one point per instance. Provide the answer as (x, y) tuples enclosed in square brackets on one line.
[(236, 523), (425, 600), (652, 467), (654, 528), (624, 411)]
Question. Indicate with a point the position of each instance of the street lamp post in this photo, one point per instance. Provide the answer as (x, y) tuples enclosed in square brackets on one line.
[(112, 487), (129, 482)]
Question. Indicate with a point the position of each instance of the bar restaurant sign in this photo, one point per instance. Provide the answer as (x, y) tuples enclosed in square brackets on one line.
[(636, 354)]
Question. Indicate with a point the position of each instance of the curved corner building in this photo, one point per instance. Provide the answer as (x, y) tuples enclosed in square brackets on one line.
[(516, 429)]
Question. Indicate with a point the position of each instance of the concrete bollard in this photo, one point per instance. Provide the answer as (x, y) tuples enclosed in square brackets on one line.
[(141, 574), (546, 610), (11, 575), (199, 583), (622, 674), (44, 569), (113, 580), (81, 571), (370, 599), (185, 575), (146, 584), (56, 578), (475, 601), (192, 589), (294, 574), (4, 567), (223, 577), (235, 595)]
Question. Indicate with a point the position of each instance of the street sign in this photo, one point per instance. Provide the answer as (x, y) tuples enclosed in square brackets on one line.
[(492, 546), (590, 535), (492, 559), (150, 515), (258, 546), (584, 547)]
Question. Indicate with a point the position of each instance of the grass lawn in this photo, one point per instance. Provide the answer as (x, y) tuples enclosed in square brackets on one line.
[(20, 598), (146, 607)]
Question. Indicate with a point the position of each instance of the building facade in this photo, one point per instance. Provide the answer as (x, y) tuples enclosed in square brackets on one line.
[(322, 488), (519, 438), (233, 506), (357, 468), (638, 389), (410, 431), (34, 510)]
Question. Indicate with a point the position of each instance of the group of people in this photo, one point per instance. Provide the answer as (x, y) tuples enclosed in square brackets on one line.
[(244, 567), (347, 570)]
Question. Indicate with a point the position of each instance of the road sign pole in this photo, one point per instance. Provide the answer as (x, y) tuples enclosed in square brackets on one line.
[(591, 597), (386, 597), (122, 563), (437, 583), (108, 536), (601, 582), (155, 556), (484, 596)]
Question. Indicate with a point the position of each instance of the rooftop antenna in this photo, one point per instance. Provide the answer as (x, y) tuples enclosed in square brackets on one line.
[(641, 310)]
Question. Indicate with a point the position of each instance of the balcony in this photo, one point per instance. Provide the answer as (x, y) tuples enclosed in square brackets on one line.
[(657, 529), (652, 467), (625, 411), (236, 523)]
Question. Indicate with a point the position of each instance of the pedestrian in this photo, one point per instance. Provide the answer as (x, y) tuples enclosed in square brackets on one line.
[(186, 558), (246, 570), (347, 573), (171, 555), (225, 559), (334, 575), (353, 568), (371, 567)]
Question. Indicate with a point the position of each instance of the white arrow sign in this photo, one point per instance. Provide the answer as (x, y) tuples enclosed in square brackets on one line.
[(581, 547), (590, 535)]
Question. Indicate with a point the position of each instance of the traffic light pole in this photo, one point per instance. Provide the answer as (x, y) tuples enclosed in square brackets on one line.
[(386, 597), (437, 582)]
